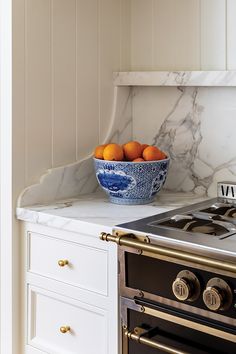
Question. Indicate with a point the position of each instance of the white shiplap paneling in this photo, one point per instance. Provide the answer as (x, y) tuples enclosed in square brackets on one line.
[(182, 34), (109, 58), (64, 81), (176, 35), (231, 34), (87, 76), (213, 34), (142, 34), (38, 89), (64, 54), (125, 35)]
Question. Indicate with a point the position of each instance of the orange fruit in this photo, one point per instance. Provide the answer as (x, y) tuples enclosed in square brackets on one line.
[(143, 146), (152, 153), (163, 155), (113, 152), (139, 159), (98, 152), (132, 150)]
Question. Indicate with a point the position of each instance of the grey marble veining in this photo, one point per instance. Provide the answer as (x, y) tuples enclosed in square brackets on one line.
[(196, 127)]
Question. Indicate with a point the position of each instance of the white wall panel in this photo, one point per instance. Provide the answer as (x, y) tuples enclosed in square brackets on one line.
[(182, 34), (164, 27), (125, 35), (18, 87), (65, 52), (64, 81), (142, 34), (213, 34), (109, 58), (87, 76), (231, 34), (176, 35), (38, 89)]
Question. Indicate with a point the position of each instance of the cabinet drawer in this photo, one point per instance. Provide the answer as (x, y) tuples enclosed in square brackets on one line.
[(50, 314), (87, 266)]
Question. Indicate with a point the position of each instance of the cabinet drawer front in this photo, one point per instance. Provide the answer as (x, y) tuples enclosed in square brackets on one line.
[(87, 267), (50, 314)]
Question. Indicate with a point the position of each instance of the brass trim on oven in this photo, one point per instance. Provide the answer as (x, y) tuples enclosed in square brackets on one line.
[(193, 325), (128, 292), (129, 240), (131, 293), (139, 335), (157, 345)]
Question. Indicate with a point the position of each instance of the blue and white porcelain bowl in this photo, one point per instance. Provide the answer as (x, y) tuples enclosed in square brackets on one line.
[(131, 182)]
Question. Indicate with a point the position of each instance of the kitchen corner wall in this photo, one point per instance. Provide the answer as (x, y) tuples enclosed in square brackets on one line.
[(194, 125), (64, 54)]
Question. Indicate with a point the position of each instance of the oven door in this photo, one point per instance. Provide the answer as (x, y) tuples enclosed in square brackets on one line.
[(150, 329)]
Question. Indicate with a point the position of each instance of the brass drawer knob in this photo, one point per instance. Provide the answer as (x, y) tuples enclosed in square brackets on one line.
[(65, 329), (63, 262)]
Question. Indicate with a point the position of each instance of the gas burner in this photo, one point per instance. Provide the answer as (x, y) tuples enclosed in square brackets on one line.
[(191, 223), (226, 210)]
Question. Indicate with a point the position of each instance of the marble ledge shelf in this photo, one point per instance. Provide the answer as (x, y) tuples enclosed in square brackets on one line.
[(175, 78)]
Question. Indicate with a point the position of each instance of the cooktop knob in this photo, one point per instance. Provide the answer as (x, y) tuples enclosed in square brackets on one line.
[(217, 295), (186, 286)]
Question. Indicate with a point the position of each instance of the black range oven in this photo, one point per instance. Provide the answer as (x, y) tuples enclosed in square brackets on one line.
[(151, 329), (173, 301), (177, 279)]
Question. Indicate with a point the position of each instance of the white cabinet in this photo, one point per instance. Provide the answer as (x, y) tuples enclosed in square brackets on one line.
[(72, 263), (59, 325), (70, 307)]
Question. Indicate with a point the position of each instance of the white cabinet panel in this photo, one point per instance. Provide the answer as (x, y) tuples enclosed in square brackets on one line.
[(87, 266), (48, 312), (213, 34), (38, 89), (64, 81)]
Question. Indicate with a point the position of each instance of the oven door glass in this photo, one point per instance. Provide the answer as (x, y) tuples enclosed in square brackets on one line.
[(151, 331)]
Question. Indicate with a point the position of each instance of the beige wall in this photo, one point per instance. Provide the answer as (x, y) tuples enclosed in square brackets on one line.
[(64, 54), (183, 35)]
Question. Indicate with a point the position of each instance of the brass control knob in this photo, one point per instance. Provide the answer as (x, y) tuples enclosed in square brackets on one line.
[(186, 286), (217, 295), (181, 289), (213, 298)]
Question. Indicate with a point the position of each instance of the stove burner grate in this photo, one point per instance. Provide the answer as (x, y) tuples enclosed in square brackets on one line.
[(198, 223), (221, 209)]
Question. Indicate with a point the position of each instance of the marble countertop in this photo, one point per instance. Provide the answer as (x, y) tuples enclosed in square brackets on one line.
[(95, 210)]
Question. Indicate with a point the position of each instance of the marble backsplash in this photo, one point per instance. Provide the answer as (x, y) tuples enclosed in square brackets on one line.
[(196, 126)]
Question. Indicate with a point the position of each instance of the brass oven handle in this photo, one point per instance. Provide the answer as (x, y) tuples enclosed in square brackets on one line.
[(130, 241), (157, 345)]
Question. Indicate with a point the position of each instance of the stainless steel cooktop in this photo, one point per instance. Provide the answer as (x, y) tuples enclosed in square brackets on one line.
[(210, 224)]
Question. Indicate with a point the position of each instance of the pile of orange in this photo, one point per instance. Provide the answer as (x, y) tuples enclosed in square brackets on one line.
[(131, 151)]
